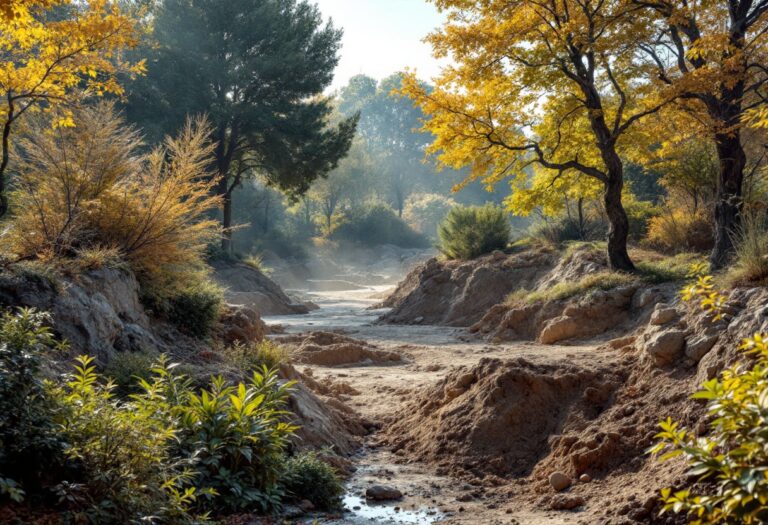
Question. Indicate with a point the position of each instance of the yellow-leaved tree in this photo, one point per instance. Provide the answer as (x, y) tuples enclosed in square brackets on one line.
[(555, 84), (50, 48), (714, 53)]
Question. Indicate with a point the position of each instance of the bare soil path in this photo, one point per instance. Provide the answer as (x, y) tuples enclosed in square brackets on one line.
[(381, 391)]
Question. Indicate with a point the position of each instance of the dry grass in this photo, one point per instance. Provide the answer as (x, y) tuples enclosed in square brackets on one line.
[(604, 280)]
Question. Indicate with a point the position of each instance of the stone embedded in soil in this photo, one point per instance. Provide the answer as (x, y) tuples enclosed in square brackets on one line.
[(382, 493), (699, 346), (665, 346), (663, 316), (585, 478), (566, 502), (559, 481)]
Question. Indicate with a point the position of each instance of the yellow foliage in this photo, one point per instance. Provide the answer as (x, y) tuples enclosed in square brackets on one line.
[(89, 186)]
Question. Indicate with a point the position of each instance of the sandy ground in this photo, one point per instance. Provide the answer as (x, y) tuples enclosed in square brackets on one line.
[(431, 353)]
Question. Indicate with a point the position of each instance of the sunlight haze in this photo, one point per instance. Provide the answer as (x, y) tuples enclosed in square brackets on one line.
[(382, 36)]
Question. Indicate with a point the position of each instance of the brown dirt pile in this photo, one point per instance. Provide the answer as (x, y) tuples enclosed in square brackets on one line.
[(332, 349), (457, 293), (498, 416)]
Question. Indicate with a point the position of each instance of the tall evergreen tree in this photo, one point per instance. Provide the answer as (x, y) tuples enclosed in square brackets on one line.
[(257, 68)]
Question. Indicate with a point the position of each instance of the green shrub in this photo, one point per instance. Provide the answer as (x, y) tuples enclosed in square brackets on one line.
[(194, 309), (425, 211), (731, 458), (239, 435), (306, 476), (120, 453), (30, 447), (255, 355), (469, 232), (125, 369), (376, 225)]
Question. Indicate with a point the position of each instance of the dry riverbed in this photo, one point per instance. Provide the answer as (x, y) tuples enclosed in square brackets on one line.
[(380, 392)]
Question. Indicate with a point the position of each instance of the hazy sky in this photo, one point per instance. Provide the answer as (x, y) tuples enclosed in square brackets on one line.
[(382, 36)]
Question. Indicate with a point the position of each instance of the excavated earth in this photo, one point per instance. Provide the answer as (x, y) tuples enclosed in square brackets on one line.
[(482, 420)]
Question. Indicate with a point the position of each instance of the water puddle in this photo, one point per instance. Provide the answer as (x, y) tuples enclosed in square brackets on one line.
[(361, 511)]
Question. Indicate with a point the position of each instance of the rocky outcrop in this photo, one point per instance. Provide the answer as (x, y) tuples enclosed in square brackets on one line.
[(97, 313), (246, 286), (458, 293)]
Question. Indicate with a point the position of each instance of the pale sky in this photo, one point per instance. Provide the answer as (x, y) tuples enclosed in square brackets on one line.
[(382, 37)]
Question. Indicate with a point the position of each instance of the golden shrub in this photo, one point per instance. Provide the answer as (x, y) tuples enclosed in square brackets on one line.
[(91, 186)]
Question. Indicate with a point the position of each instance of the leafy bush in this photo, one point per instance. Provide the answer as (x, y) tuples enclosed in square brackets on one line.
[(731, 458), (29, 444), (676, 230), (469, 232), (239, 436), (125, 369), (639, 214), (557, 231), (89, 187), (195, 308), (377, 225), (121, 453), (306, 476)]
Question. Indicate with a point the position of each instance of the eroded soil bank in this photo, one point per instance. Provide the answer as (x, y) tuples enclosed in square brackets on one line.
[(384, 392)]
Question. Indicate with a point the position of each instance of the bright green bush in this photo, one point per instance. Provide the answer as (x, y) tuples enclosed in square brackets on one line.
[(469, 232), (306, 476), (731, 458), (239, 436), (376, 225), (121, 454), (29, 443)]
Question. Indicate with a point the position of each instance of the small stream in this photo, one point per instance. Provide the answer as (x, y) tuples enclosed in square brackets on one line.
[(349, 310)]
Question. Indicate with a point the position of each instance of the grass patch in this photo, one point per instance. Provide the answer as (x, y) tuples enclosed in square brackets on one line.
[(254, 356), (603, 280), (657, 270)]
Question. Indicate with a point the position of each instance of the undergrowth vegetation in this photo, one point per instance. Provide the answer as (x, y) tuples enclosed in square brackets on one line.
[(728, 459), (154, 448), (471, 231)]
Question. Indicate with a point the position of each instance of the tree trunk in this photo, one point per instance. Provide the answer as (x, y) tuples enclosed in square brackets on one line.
[(4, 166), (226, 215), (618, 230), (729, 196)]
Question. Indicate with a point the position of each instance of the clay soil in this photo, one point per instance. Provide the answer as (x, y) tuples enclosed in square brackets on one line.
[(470, 431)]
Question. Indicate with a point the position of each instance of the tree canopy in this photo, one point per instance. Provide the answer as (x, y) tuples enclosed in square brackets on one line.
[(257, 68)]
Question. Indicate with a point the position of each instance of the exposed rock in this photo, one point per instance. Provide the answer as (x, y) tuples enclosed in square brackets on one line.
[(566, 502), (698, 346), (585, 478), (663, 315), (98, 312), (457, 293), (324, 422), (383, 493), (245, 285), (559, 481), (664, 346), (241, 324)]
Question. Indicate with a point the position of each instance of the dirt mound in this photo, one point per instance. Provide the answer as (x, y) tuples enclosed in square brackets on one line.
[(332, 349), (325, 422), (498, 416), (245, 285), (458, 293)]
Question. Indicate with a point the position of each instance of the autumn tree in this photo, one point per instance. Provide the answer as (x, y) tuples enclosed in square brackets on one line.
[(528, 77), (50, 47), (714, 54), (258, 69)]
